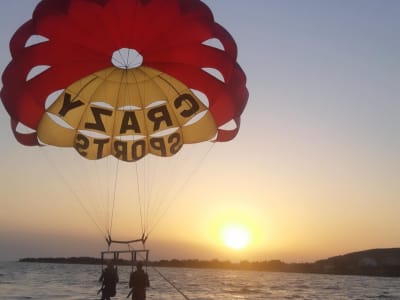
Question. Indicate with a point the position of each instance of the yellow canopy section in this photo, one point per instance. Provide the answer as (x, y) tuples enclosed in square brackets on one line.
[(126, 113)]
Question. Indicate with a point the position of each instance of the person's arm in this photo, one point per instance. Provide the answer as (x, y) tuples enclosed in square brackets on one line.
[(101, 276), (131, 280), (102, 283), (130, 285), (116, 275)]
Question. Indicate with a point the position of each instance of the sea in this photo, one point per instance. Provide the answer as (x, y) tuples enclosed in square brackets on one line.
[(80, 282)]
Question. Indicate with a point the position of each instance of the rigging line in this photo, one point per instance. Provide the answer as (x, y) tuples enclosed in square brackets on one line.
[(168, 92), (146, 190), (149, 180), (99, 199), (76, 196), (141, 194), (141, 187), (114, 197), (151, 168), (170, 283), (142, 95), (164, 194), (108, 191), (121, 83), (93, 205), (181, 189), (162, 187), (107, 194), (139, 197), (93, 199)]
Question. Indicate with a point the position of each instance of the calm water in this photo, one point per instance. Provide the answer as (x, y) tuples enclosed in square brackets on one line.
[(73, 282)]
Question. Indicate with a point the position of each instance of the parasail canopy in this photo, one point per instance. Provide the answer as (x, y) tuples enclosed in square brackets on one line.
[(124, 78)]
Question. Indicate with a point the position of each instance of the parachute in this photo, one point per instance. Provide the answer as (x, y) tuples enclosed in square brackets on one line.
[(124, 79)]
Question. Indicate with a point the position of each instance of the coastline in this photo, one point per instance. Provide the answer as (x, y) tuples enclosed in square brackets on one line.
[(373, 262)]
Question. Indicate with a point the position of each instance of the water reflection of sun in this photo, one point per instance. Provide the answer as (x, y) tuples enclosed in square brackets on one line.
[(236, 236)]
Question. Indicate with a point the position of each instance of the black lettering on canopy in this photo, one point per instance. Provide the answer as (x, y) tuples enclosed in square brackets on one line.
[(68, 105), (97, 114), (129, 122), (121, 150), (158, 115), (138, 150), (100, 148), (159, 145), (188, 100), (81, 144), (175, 141)]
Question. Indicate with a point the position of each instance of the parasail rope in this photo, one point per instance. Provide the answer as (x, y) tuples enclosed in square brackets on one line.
[(139, 200), (170, 283), (76, 196), (142, 208), (118, 161), (114, 199), (181, 188)]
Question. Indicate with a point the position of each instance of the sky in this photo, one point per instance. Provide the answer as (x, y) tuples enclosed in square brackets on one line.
[(313, 172)]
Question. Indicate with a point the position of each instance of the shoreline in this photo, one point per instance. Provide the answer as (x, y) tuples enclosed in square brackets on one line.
[(373, 262)]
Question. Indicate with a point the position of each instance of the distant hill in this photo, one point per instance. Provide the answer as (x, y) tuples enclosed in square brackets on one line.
[(374, 262)]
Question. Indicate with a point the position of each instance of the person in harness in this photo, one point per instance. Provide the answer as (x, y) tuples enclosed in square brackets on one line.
[(138, 282), (109, 279)]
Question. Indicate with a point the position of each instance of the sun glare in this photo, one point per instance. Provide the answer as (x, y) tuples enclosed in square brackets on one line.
[(235, 236)]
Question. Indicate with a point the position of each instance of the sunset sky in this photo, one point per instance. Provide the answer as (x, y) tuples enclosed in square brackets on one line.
[(314, 171)]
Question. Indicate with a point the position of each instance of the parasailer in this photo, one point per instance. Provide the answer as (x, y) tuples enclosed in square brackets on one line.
[(134, 80), (109, 279), (138, 283)]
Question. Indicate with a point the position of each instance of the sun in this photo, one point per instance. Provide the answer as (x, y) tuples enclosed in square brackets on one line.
[(236, 236)]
